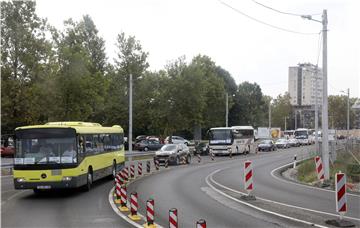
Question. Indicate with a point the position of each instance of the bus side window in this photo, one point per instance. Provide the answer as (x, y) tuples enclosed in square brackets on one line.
[(89, 144), (81, 147)]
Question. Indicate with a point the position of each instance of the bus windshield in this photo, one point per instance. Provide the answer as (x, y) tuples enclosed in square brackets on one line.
[(45, 146), (220, 136), (301, 134)]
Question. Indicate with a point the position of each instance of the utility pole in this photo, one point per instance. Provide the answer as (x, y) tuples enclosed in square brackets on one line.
[(348, 119), (269, 115), (316, 112), (285, 122), (325, 116), (227, 109), (130, 114)]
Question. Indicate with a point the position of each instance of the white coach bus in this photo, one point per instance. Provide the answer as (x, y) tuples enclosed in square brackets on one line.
[(235, 140)]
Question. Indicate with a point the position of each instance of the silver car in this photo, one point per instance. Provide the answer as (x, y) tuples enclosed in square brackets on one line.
[(176, 140), (173, 153)]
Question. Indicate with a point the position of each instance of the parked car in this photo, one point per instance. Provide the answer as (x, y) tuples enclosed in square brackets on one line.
[(201, 148), (139, 138), (282, 143), (7, 147), (173, 153), (294, 142), (148, 144), (176, 140), (266, 145)]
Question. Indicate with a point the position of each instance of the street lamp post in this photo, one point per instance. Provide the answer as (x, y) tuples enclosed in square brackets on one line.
[(227, 110), (347, 117), (130, 113), (285, 118), (325, 116)]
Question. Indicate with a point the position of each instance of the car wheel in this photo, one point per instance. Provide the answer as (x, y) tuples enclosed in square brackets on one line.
[(188, 159), (146, 149)]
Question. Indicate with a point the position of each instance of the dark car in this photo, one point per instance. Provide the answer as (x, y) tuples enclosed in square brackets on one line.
[(266, 145), (148, 144), (173, 153), (201, 148)]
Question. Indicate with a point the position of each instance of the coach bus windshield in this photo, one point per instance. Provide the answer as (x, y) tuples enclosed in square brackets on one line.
[(220, 136), (45, 146)]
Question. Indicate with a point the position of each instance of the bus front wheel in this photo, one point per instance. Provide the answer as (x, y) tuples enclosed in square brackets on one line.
[(89, 180)]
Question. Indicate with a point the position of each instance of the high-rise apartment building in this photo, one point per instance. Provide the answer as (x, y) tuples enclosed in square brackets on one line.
[(305, 80)]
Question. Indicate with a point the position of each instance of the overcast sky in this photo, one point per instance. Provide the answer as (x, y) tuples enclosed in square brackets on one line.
[(249, 50)]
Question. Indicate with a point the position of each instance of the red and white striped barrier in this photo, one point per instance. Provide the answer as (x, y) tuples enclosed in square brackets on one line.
[(126, 173), (139, 168), (199, 157), (132, 171), (134, 207), (340, 180), (201, 223), (248, 177), (117, 191), (212, 155), (157, 164), (173, 218), (148, 167), (120, 178), (150, 212), (123, 199), (319, 168)]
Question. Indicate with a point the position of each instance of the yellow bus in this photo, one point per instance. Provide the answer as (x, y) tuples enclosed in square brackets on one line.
[(66, 155)]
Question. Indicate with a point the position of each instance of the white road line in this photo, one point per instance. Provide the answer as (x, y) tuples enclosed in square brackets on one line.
[(275, 202), (111, 201), (283, 204), (303, 185), (119, 213), (255, 207)]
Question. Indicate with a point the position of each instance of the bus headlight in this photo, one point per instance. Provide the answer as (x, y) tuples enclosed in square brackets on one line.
[(66, 178), (21, 179)]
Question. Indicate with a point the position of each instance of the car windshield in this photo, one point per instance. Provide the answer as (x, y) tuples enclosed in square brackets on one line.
[(45, 146), (168, 147), (281, 140)]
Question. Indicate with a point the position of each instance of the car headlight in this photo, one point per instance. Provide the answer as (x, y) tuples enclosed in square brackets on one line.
[(21, 179), (66, 178)]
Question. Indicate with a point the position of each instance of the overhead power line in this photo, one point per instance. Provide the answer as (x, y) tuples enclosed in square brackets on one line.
[(283, 12), (264, 23)]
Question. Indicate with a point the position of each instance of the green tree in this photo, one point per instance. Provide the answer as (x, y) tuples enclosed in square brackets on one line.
[(338, 112), (281, 109), (81, 84), (248, 106), (27, 65)]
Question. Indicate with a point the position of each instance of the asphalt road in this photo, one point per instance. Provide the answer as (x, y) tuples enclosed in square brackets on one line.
[(188, 190)]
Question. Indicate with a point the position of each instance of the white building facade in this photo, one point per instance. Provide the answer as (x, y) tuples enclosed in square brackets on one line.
[(305, 80)]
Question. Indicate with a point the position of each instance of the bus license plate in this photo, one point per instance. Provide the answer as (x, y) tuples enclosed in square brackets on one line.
[(43, 187)]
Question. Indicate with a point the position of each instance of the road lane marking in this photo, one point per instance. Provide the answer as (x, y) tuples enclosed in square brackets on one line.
[(303, 185), (258, 208), (111, 201), (275, 202), (126, 218)]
